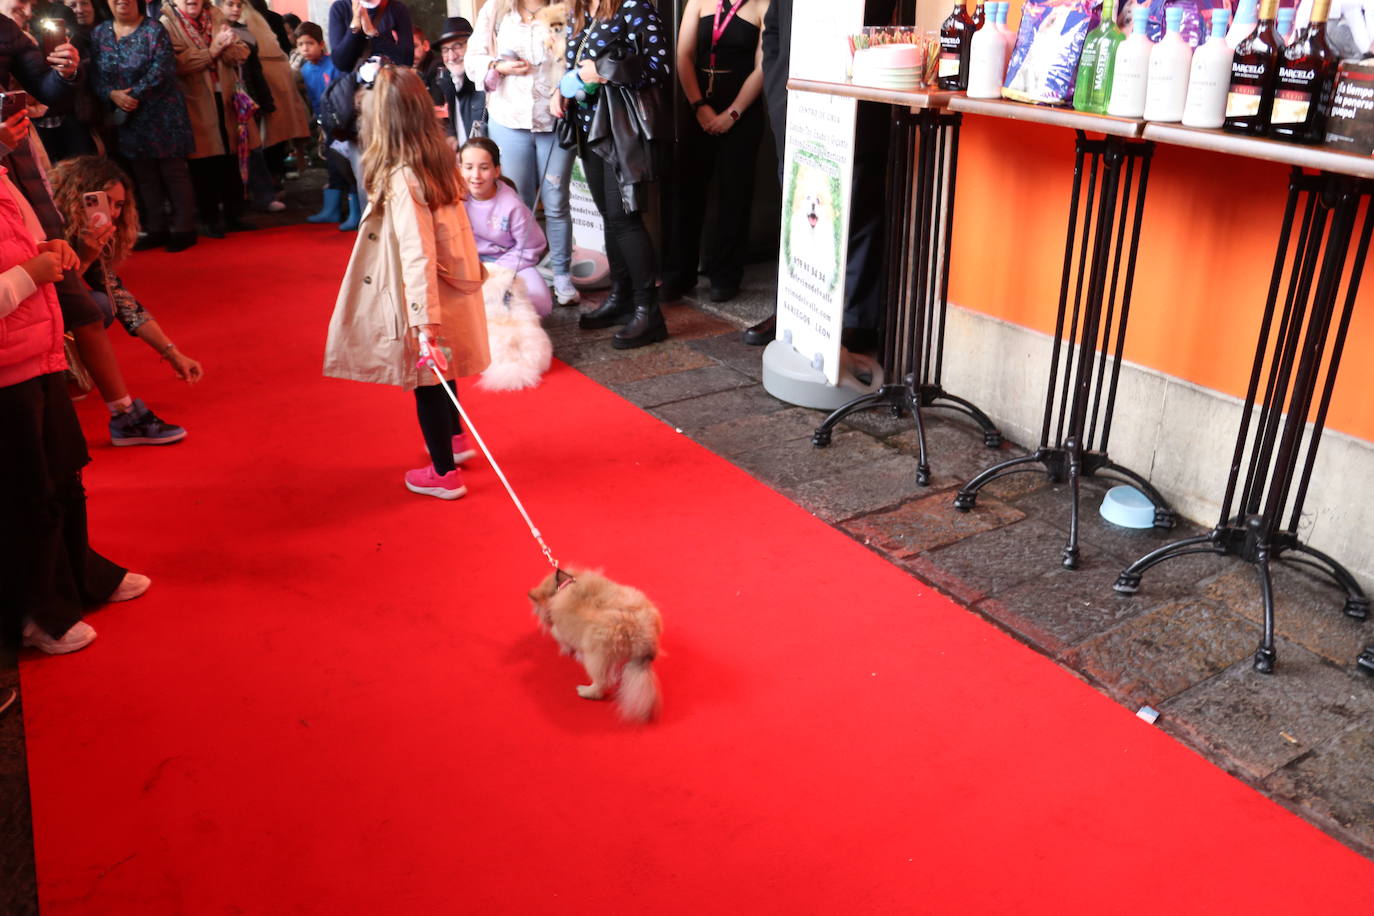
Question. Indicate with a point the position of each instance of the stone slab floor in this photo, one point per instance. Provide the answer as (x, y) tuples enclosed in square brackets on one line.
[(1303, 736)]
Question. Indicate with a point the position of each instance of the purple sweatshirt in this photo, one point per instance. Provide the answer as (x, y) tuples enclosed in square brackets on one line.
[(505, 229)]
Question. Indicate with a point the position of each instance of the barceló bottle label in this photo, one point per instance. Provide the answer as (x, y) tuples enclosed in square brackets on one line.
[(1290, 107), (1243, 101), (949, 56)]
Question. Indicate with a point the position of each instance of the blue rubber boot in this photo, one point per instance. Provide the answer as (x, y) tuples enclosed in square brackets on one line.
[(355, 214), (332, 211)]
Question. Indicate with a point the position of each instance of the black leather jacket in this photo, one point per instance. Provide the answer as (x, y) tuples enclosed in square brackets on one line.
[(627, 124)]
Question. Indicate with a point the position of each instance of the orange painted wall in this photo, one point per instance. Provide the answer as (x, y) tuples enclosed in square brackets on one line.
[(1206, 251)]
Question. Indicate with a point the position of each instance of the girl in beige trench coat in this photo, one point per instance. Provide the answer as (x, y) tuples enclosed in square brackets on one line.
[(414, 268)]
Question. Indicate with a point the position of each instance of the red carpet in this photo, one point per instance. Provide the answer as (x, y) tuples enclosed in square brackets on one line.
[(335, 700)]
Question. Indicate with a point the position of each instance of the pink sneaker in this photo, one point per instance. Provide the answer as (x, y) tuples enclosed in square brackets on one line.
[(429, 482), (462, 452)]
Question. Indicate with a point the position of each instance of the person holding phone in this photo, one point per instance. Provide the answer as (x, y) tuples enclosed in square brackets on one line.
[(510, 54), (135, 70)]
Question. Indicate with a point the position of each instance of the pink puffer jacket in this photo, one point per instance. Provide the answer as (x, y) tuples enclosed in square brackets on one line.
[(31, 335)]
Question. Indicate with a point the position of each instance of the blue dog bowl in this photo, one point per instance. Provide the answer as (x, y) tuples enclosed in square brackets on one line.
[(1128, 507)]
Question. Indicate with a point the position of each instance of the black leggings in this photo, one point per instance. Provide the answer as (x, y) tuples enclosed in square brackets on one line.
[(439, 423), (629, 250)]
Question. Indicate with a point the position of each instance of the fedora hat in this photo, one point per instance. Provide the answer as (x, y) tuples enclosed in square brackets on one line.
[(454, 27)]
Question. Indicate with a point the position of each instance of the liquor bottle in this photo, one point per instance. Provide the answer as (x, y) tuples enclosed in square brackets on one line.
[(987, 63), (1094, 88), (1003, 8), (1132, 69), (1166, 89), (1307, 74), (956, 39), (1244, 23), (1285, 23), (1254, 70), (1210, 77), (980, 16)]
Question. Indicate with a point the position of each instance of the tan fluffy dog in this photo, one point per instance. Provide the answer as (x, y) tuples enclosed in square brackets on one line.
[(552, 22), (521, 351), (611, 629)]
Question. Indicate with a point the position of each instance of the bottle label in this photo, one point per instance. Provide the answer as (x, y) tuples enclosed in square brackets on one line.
[(949, 65), (1291, 107), (1243, 102)]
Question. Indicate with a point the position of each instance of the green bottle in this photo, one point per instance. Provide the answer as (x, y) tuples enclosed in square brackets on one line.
[(1093, 89)]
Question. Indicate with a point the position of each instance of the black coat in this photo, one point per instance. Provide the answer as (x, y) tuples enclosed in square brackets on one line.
[(466, 100), (627, 125), (20, 58)]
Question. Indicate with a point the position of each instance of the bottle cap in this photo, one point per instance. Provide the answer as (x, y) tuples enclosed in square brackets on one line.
[(1140, 18), (1173, 19), (1220, 22)]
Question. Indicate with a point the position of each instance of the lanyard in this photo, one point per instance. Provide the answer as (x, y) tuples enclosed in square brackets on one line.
[(718, 26)]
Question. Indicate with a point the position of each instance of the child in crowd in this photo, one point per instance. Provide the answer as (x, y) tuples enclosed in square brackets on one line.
[(102, 248), (49, 575), (504, 227), (318, 71), (414, 270)]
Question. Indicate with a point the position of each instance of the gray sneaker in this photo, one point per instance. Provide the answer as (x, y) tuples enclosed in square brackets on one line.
[(564, 293), (140, 426)]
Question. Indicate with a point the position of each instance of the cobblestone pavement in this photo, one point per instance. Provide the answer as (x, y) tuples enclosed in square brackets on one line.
[(1303, 736), (1183, 644)]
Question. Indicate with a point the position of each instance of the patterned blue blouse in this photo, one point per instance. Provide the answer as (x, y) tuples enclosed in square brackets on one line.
[(637, 26), (142, 62)]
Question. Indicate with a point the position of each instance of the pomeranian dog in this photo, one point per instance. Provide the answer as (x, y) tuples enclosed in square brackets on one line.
[(611, 629), (521, 351), (551, 22)]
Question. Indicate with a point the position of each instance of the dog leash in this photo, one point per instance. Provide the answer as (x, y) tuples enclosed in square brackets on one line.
[(432, 357)]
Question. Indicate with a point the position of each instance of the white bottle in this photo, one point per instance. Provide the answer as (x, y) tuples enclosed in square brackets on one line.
[(1003, 8), (1167, 88), (1210, 77), (1247, 14), (987, 64), (1132, 69)]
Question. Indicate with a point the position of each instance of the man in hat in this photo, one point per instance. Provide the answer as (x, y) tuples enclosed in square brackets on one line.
[(453, 88)]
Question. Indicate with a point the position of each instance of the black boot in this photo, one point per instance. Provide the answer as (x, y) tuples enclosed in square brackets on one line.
[(617, 309), (646, 326)]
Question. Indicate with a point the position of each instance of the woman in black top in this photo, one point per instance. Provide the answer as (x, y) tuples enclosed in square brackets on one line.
[(720, 68), (620, 50)]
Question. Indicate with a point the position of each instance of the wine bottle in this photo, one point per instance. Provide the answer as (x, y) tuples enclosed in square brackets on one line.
[(987, 63), (1132, 67), (1166, 89), (1210, 77), (956, 39), (1254, 70), (1307, 74), (1244, 23), (980, 16), (1094, 87), (1284, 21)]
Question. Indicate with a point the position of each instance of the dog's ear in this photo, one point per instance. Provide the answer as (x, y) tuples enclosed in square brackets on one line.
[(559, 577)]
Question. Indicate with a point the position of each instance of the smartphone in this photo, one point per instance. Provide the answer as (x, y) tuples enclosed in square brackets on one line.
[(98, 214), (54, 32), (11, 103)]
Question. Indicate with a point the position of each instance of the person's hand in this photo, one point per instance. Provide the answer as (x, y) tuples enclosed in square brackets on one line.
[(64, 59), (66, 254), (515, 67), (362, 20), (587, 70), (222, 40), (14, 129), (124, 99), (96, 239), (45, 267), (357, 22), (237, 52), (185, 368), (557, 104), (720, 124), (705, 116)]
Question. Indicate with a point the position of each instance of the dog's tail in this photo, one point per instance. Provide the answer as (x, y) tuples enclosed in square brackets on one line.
[(638, 694)]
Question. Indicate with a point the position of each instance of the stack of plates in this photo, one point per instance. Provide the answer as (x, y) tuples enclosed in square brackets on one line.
[(889, 67)]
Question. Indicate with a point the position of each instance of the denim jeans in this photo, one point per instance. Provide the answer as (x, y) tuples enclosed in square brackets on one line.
[(525, 155)]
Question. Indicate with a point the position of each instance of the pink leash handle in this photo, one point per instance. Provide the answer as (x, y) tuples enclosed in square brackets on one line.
[(431, 356)]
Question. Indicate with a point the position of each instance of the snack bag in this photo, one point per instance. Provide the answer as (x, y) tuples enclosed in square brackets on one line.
[(1044, 64)]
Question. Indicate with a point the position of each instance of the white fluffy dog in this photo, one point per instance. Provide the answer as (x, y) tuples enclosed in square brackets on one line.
[(520, 347)]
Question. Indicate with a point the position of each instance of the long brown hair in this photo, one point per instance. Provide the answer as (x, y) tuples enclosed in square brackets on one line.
[(581, 12), (80, 175), (401, 131)]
